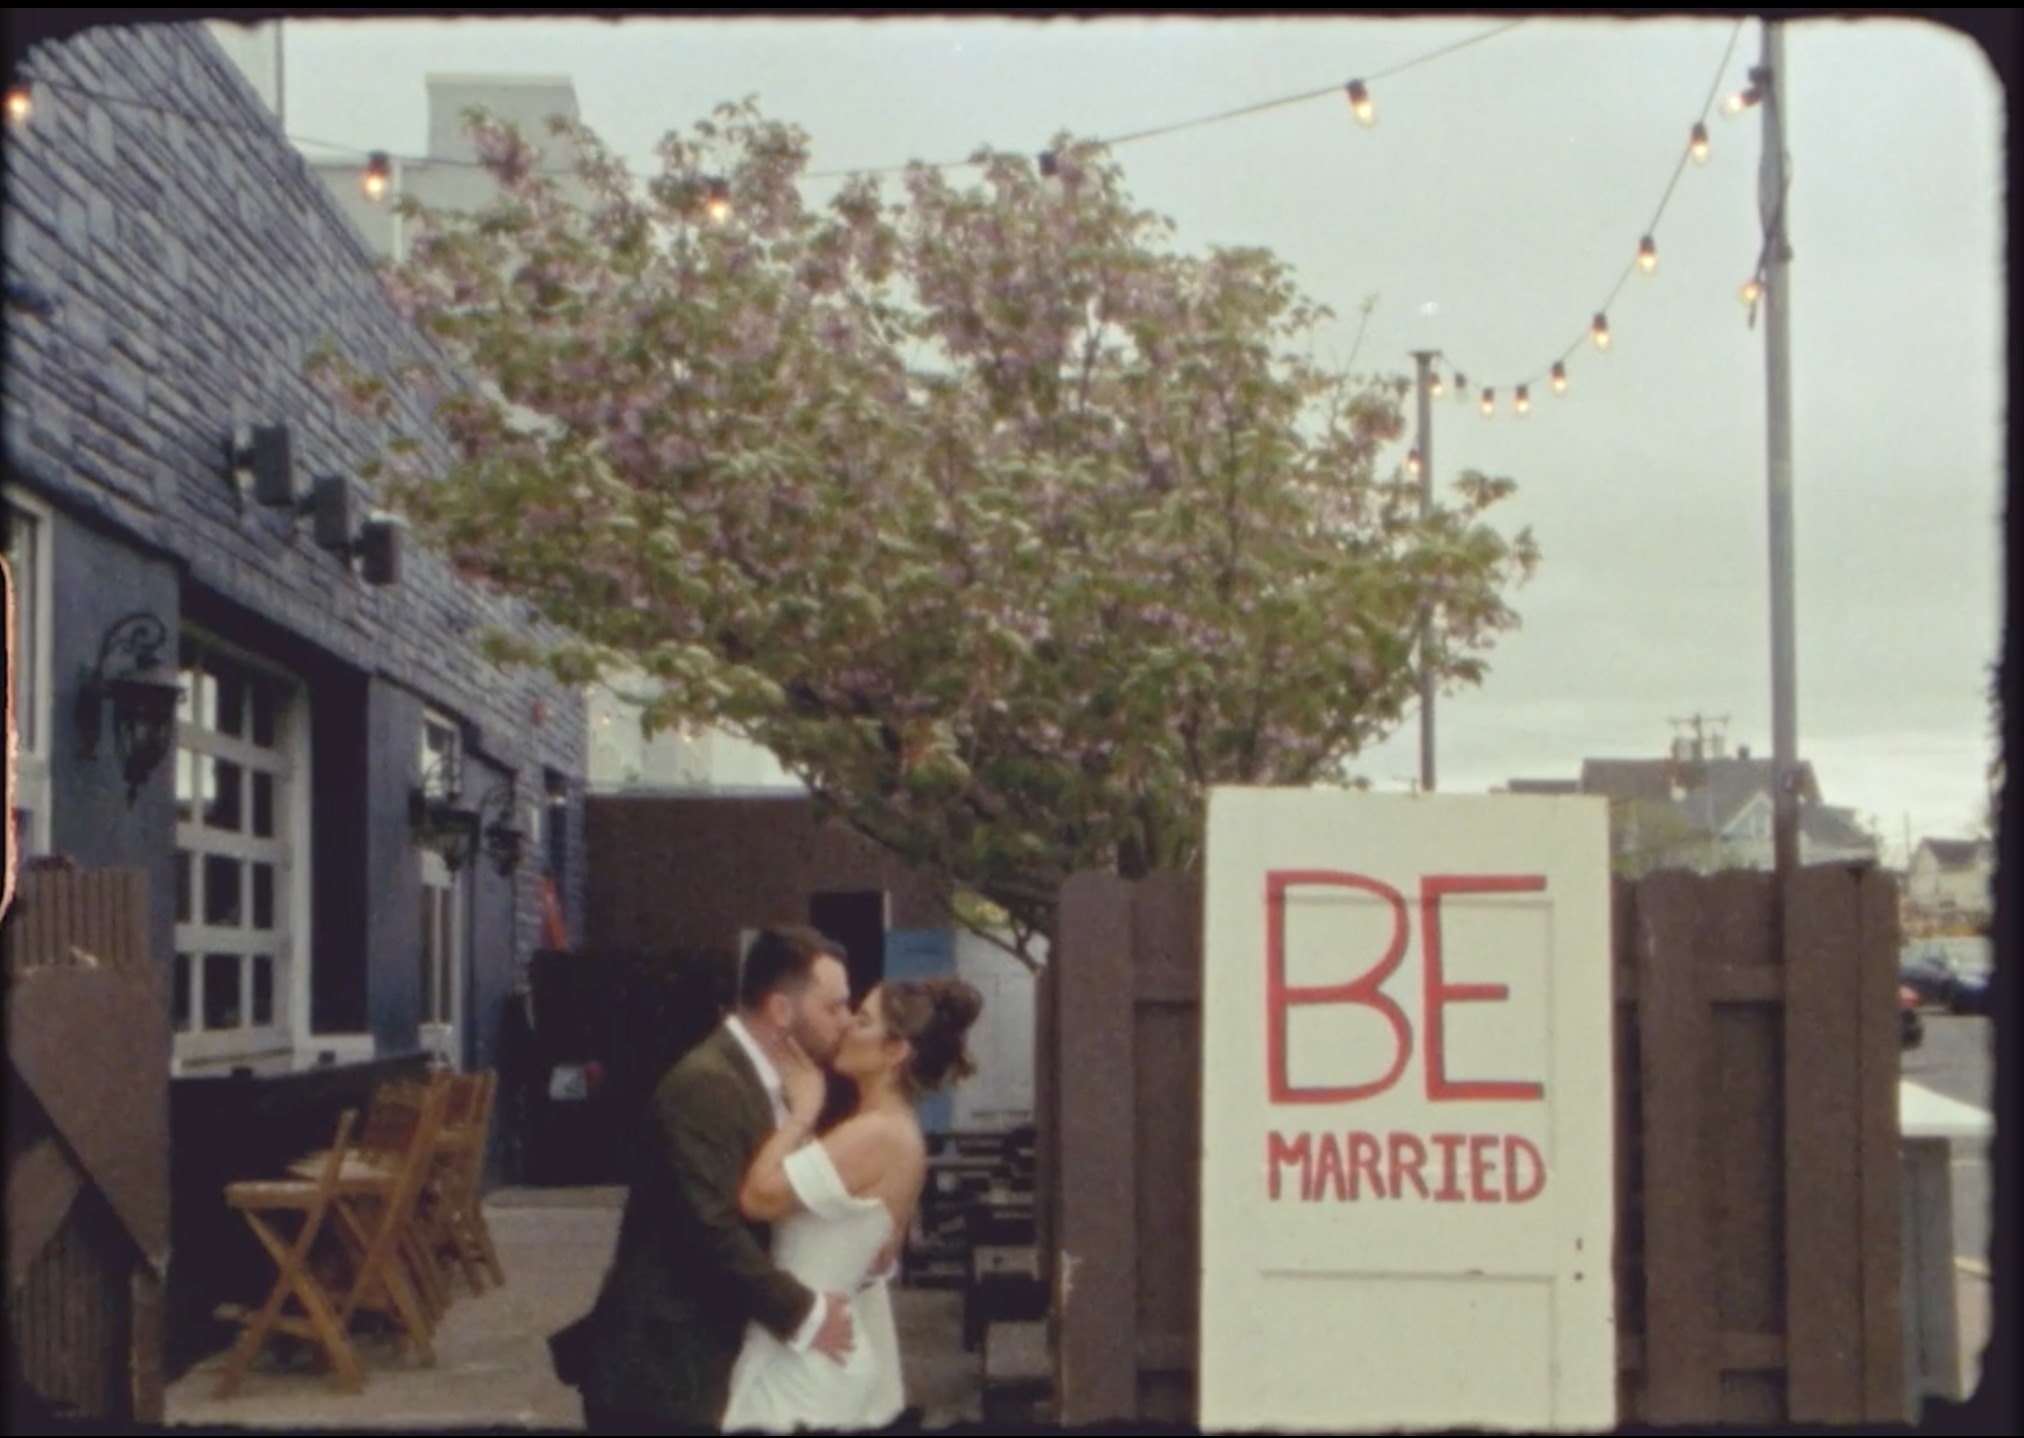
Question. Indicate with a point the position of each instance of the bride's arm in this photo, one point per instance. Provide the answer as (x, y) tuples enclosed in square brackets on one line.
[(862, 1149)]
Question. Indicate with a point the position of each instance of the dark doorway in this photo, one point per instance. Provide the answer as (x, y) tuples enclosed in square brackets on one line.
[(858, 922)]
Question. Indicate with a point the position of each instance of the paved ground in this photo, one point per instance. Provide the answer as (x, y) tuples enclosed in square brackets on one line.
[(492, 1362), (492, 1366)]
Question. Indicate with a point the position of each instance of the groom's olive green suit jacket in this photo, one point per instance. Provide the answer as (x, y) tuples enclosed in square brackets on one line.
[(689, 1271)]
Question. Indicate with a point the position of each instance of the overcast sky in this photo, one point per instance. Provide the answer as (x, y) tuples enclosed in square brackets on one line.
[(1491, 209)]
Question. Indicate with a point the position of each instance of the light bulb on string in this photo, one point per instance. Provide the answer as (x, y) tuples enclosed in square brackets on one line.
[(1743, 100), (717, 200), (1559, 377), (1599, 331), (1434, 386), (1753, 291), (1699, 144), (1523, 400), (1647, 255), (1461, 386), (1359, 101), (1413, 463), (20, 103), (1489, 403), (378, 178)]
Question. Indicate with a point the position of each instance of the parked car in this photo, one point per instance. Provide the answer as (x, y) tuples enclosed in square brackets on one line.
[(1911, 1024), (1969, 992), (1929, 974)]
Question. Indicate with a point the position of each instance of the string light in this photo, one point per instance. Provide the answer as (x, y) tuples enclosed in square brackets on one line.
[(1489, 403), (378, 176), (1434, 385), (1413, 463), (1359, 101), (1753, 291)]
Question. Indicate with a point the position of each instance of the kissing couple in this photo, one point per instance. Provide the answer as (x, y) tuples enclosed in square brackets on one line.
[(749, 1289)]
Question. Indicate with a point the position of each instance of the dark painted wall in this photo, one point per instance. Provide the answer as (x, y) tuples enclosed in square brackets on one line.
[(690, 872), (97, 582)]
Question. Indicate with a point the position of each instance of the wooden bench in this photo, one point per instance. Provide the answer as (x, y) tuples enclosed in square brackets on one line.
[(1018, 1375)]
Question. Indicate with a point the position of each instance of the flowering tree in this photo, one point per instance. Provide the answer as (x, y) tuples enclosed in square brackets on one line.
[(1008, 528)]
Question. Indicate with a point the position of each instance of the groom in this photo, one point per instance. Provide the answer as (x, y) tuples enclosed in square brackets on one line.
[(689, 1273)]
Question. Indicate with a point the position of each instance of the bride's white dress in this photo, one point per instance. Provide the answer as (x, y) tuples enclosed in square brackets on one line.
[(830, 1245)]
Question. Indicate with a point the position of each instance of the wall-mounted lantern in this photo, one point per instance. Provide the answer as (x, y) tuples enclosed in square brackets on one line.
[(130, 676), (439, 820), (458, 832)]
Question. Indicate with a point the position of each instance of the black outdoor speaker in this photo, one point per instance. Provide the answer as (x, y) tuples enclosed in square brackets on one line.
[(380, 551), (270, 455), (336, 521)]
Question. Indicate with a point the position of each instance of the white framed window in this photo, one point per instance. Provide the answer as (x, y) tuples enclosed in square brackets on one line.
[(242, 840), (443, 936), (31, 604)]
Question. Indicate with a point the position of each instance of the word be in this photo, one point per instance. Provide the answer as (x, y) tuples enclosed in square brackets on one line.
[(1367, 990), (1468, 1168)]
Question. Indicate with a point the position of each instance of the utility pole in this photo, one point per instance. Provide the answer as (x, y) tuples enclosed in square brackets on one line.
[(1773, 183), (1424, 360)]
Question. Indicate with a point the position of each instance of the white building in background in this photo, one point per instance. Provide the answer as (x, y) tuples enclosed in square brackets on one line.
[(622, 757), (256, 50)]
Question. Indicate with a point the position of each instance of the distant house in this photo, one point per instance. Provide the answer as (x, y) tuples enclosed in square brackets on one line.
[(1702, 809), (1951, 876)]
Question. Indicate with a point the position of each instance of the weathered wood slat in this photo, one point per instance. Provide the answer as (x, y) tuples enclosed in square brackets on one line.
[(1882, 1191), (1682, 1379), (1823, 1156), (1096, 1380)]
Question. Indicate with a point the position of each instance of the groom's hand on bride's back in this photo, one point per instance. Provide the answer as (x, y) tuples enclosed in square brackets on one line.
[(834, 1338)]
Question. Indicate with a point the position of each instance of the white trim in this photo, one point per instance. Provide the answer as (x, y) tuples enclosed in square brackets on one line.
[(31, 762), (287, 850)]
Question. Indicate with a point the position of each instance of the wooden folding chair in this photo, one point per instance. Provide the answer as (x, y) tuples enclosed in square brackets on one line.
[(468, 1235), (319, 1321), (377, 1189), (375, 1161)]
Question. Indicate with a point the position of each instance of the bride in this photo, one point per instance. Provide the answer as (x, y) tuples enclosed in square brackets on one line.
[(838, 1204)]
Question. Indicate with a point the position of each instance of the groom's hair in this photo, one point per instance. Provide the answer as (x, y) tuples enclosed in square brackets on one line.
[(782, 959)]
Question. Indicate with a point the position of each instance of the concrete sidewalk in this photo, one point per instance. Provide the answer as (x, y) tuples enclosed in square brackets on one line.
[(492, 1367)]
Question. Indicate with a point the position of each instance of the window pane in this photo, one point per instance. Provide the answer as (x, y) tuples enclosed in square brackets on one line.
[(429, 954), (186, 786), (184, 906), (232, 702), (263, 991), (263, 805), (222, 1004), (223, 904), (263, 896), (226, 808), (183, 973), (207, 701), (266, 697)]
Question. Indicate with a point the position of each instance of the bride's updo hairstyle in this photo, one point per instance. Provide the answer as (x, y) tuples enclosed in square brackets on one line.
[(933, 1016)]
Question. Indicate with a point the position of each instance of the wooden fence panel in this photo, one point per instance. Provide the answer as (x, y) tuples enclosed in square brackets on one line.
[(87, 1171), (1758, 1235)]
